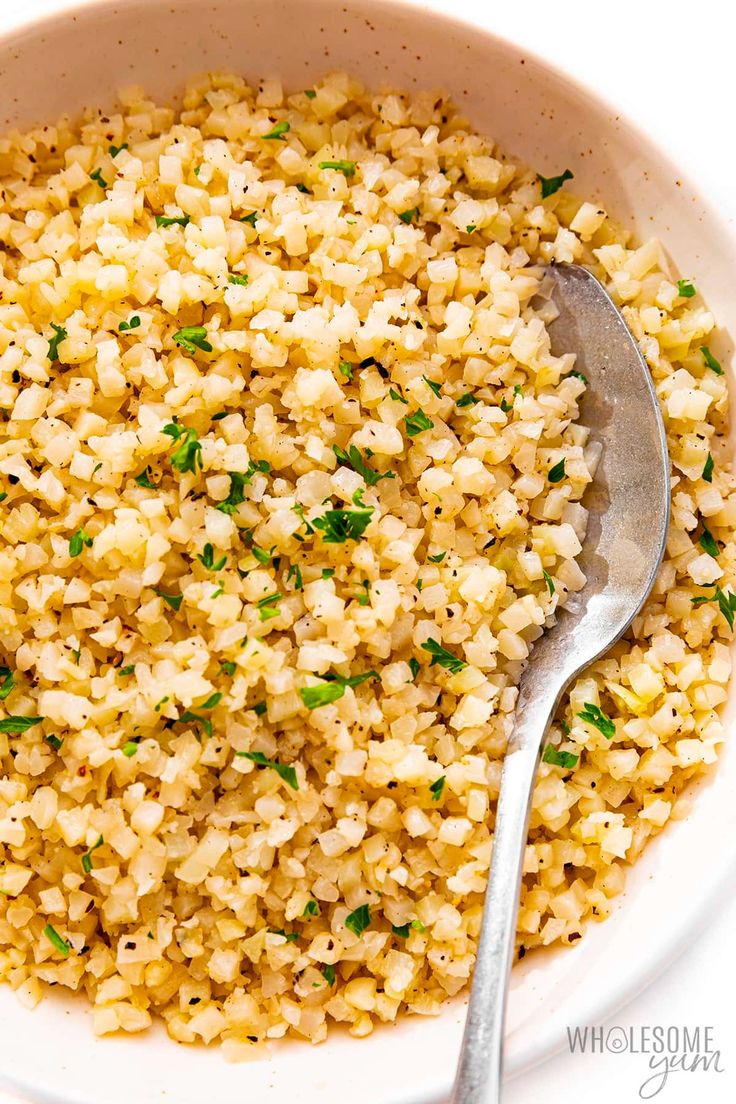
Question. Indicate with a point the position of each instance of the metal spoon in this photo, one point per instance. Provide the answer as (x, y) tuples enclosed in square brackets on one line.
[(629, 503)]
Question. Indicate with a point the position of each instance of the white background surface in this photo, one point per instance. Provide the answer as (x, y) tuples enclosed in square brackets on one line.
[(670, 64)]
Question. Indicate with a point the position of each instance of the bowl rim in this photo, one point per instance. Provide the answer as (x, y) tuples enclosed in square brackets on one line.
[(699, 909)]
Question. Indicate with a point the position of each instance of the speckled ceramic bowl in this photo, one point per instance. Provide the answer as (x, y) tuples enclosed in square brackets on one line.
[(80, 55)]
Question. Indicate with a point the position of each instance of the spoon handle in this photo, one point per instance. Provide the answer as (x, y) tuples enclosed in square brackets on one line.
[(479, 1070)]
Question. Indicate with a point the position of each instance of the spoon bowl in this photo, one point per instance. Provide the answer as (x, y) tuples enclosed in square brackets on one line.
[(629, 504)]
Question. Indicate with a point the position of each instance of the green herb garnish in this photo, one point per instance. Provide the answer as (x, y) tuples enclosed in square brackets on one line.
[(251, 218), (710, 360), (595, 716), (435, 388), (128, 670), (115, 150), (207, 559), (708, 543), (707, 474), (15, 725), (59, 335), (81, 539), (415, 667), (53, 937), (328, 973), (346, 369), (228, 667), (98, 179), (358, 920), (443, 657), (726, 603), (437, 787), (278, 131), (287, 773), (268, 606), (338, 526), (173, 600), (238, 480), (347, 168), (236, 278), (295, 573), (438, 558), (548, 581), (410, 215), (311, 909), (417, 422), (468, 399), (187, 456), (559, 758), (132, 324), (143, 481), (552, 184), (8, 682), (331, 689), (397, 397), (353, 459), (172, 220), (557, 473), (685, 289), (87, 856), (470, 228), (191, 338)]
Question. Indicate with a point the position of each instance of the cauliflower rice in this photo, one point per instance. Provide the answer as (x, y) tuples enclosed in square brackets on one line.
[(290, 484)]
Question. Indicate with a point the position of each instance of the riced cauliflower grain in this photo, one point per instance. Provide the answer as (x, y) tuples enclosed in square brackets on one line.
[(279, 532)]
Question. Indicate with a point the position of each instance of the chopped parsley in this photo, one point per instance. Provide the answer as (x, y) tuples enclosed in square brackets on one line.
[(710, 360), (470, 228), (191, 338), (437, 787), (187, 456), (59, 335), (173, 600), (707, 474), (577, 375), (328, 572), (236, 278), (338, 526), (295, 573), (443, 657), (3, 496), (353, 459), (143, 480), (726, 604), (190, 717), (409, 215), (207, 559), (287, 773), (468, 399), (87, 856), (358, 920), (81, 539), (303, 188), (278, 131), (309, 93), (172, 220), (685, 289), (250, 219), (15, 725), (228, 667), (261, 555), (346, 369), (435, 388), (557, 472), (8, 682), (237, 481), (268, 606), (364, 599), (438, 558), (552, 184), (311, 909), (290, 937), (52, 741), (557, 758), (132, 324), (548, 581), (128, 670), (415, 667), (53, 937), (328, 973), (397, 397), (417, 422), (98, 178), (331, 689), (115, 150), (708, 543), (595, 716), (260, 708), (347, 168), (403, 930)]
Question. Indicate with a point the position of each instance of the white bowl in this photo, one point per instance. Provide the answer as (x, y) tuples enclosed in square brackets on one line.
[(81, 57)]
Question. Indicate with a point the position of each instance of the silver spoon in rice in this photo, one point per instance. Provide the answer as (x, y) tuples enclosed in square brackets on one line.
[(629, 504)]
